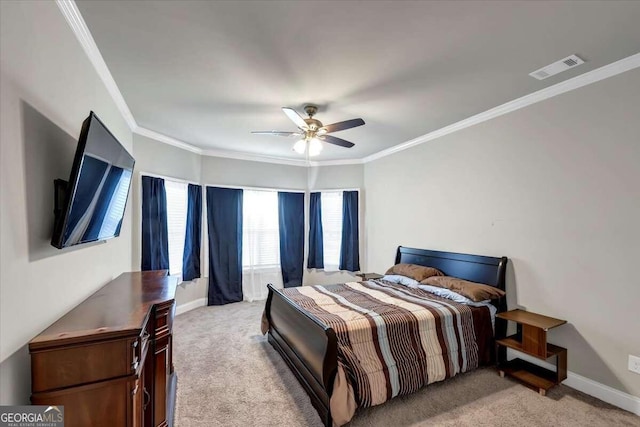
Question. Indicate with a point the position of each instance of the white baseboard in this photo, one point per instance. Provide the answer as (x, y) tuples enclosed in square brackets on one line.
[(183, 308), (603, 392)]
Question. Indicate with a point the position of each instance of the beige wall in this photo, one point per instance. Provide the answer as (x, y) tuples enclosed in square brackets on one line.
[(335, 177), (556, 188), (155, 157), (221, 171), (48, 87)]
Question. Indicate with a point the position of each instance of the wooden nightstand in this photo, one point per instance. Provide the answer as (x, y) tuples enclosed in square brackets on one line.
[(369, 276), (531, 339)]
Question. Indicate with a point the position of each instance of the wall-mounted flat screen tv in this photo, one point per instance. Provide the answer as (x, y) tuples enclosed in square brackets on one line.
[(90, 206)]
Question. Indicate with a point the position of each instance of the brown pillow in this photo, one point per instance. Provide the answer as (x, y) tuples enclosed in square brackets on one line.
[(416, 272), (472, 290)]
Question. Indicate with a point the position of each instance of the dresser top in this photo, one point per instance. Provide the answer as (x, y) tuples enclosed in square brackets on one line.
[(119, 308)]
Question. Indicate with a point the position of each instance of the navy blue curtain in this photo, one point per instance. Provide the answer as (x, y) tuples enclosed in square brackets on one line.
[(316, 252), (291, 222), (224, 220), (191, 255), (349, 251), (155, 241)]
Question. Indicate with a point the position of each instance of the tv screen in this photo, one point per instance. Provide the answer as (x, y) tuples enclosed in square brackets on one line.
[(90, 206)]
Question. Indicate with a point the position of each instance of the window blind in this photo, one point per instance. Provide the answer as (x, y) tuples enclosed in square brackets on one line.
[(331, 205), (260, 229), (176, 223)]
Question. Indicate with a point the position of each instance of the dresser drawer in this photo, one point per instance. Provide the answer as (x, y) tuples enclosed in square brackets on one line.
[(83, 363), (101, 404)]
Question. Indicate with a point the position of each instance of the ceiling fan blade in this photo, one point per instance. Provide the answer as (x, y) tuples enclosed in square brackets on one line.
[(276, 133), (295, 117), (347, 124), (336, 141)]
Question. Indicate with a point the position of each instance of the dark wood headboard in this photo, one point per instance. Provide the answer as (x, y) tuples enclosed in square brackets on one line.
[(475, 268)]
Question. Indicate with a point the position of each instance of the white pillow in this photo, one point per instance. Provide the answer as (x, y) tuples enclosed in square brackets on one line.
[(401, 280)]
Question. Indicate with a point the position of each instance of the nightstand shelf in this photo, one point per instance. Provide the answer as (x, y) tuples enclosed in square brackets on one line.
[(531, 339), (528, 373), (512, 342)]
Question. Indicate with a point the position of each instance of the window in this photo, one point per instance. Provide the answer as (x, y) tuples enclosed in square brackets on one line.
[(176, 223), (260, 243), (260, 229), (331, 202), (334, 215)]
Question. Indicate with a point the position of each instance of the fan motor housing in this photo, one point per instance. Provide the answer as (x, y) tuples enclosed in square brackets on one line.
[(313, 123)]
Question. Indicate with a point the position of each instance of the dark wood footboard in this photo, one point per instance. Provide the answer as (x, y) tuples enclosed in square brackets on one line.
[(307, 346)]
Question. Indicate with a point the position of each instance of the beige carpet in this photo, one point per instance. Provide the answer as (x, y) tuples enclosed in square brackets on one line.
[(229, 375)]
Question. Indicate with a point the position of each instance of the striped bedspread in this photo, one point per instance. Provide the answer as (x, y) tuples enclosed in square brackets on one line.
[(392, 340)]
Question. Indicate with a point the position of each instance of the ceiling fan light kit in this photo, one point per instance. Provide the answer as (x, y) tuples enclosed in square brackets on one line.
[(313, 132), (315, 147), (300, 146)]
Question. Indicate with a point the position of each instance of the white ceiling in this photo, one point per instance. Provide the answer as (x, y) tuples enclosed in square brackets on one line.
[(208, 73)]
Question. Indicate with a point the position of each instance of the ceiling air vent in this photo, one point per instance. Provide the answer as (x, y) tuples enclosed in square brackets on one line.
[(557, 67)]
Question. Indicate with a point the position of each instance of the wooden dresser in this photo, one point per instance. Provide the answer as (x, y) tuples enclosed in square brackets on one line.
[(108, 361)]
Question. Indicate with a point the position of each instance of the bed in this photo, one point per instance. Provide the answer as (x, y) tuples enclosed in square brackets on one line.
[(318, 356)]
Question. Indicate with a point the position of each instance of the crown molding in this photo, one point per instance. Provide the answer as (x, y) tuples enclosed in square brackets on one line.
[(237, 155), (341, 162), (79, 27), (160, 137), (593, 76), (71, 13)]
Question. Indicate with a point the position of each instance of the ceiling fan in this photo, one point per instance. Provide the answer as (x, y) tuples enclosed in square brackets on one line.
[(312, 132)]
